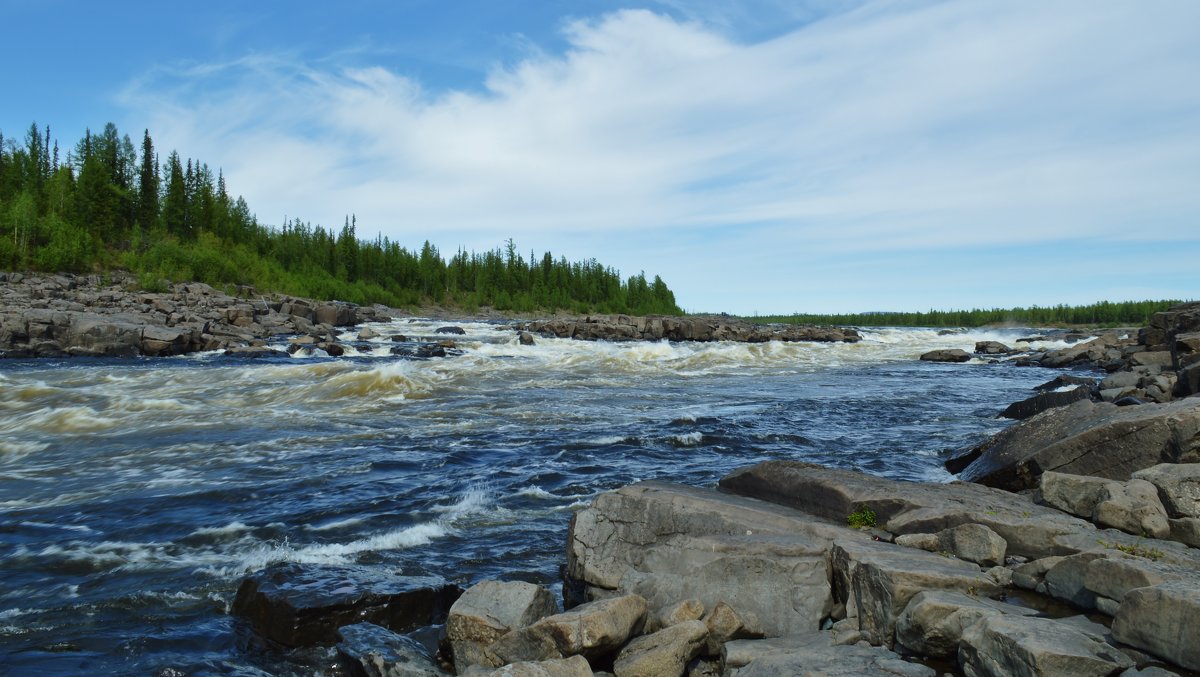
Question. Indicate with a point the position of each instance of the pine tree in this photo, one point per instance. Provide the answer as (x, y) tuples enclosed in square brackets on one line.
[(148, 180)]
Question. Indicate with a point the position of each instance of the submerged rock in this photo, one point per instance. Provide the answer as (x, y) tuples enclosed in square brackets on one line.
[(301, 605)]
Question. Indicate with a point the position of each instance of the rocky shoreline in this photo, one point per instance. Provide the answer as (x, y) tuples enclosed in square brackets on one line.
[(1071, 545)]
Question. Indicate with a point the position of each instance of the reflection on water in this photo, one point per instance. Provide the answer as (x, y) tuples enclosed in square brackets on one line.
[(135, 494)]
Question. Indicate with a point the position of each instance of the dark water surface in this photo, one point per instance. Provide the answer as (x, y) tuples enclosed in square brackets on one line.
[(134, 495)]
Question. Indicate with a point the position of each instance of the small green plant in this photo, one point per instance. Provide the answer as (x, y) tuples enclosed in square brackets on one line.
[(1136, 550), (863, 518)]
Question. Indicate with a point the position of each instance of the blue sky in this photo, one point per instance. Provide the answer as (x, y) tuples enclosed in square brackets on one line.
[(761, 156)]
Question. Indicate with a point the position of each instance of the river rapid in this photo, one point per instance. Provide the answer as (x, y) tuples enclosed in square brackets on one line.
[(135, 494)]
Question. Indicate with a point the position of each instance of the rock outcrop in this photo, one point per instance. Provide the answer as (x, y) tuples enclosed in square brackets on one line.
[(693, 328)]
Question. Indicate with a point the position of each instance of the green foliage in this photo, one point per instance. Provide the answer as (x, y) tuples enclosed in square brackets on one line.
[(1104, 313), (1136, 550), (107, 207), (863, 518)]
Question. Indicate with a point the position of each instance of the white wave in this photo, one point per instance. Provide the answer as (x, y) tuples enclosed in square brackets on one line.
[(473, 501), (339, 524), (13, 451), (65, 527), (234, 527), (688, 439), (9, 614), (535, 492), (610, 440)]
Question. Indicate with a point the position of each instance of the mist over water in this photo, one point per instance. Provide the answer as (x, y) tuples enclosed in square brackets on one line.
[(135, 494)]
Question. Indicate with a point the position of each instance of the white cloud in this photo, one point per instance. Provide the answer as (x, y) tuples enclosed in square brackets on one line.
[(895, 127)]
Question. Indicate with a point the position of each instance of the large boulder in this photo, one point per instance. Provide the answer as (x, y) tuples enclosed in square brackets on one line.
[(1005, 645), (1035, 405), (1178, 486), (1163, 620), (487, 611), (946, 355), (933, 622), (302, 604), (1132, 507), (594, 630), (1076, 494), (671, 542), (1088, 438), (102, 335)]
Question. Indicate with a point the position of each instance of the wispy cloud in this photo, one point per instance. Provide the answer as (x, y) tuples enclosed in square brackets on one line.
[(894, 127)]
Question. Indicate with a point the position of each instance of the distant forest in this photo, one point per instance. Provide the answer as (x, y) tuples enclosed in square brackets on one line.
[(105, 204), (1102, 314)]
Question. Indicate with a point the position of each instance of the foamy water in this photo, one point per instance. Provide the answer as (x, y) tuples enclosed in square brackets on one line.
[(135, 494)]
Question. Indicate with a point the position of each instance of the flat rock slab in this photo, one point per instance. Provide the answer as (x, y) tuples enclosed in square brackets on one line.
[(933, 622), (1005, 645), (672, 542), (1088, 438), (303, 604), (815, 654), (1035, 405)]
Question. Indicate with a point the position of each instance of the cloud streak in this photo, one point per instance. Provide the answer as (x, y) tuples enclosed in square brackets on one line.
[(893, 128)]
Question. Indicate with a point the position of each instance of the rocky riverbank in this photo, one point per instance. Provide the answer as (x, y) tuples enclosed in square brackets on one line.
[(1072, 550)]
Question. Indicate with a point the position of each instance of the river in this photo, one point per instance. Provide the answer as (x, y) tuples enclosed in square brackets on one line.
[(135, 494)]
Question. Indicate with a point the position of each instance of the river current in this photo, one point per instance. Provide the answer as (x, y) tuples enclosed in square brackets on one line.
[(135, 494)]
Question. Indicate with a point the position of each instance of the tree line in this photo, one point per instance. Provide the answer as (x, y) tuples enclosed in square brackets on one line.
[(107, 204), (1101, 314)]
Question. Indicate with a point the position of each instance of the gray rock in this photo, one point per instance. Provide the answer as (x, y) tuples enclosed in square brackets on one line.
[(1186, 530), (1031, 574), (525, 339), (575, 666), (673, 614), (946, 355), (1006, 645), (991, 348), (814, 654), (665, 653), (1041, 402), (974, 543), (933, 622), (1066, 580), (1088, 438), (1132, 507), (1115, 575), (1163, 620), (724, 623), (1178, 486), (593, 630), (375, 651), (1076, 494), (487, 611)]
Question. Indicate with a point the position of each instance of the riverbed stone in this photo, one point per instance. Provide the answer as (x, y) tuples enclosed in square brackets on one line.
[(375, 651), (304, 604), (1088, 438), (1075, 494), (1178, 487), (488, 610), (665, 653), (593, 630), (991, 348), (1132, 507), (1163, 620), (1004, 645), (946, 355), (933, 622)]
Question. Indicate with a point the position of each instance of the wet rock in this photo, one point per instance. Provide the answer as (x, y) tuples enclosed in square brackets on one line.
[(163, 341), (1178, 486), (1088, 438), (665, 653), (933, 622), (301, 605), (254, 352), (1038, 403), (946, 355), (458, 331), (694, 328), (366, 334), (1005, 645), (1162, 620), (1067, 380), (593, 630), (525, 338), (374, 651), (991, 348), (489, 610)]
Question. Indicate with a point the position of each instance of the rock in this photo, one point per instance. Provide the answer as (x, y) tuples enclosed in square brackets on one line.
[(525, 338), (883, 578), (1030, 530), (488, 610), (1041, 402), (991, 348), (1066, 580), (1178, 486), (366, 334), (946, 355), (300, 605), (814, 654), (693, 328), (1087, 438), (1115, 575), (1003, 645), (665, 617), (1031, 574), (665, 653), (974, 543), (378, 652), (1163, 620), (332, 349), (575, 666), (163, 341), (1188, 383), (1159, 358), (593, 630), (254, 352), (98, 335), (1076, 494), (1186, 530), (335, 314), (933, 622), (1132, 507), (1067, 380), (724, 624), (670, 543), (458, 331)]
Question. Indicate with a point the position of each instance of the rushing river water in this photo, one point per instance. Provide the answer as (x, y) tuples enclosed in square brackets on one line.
[(135, 494)]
